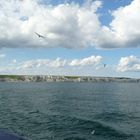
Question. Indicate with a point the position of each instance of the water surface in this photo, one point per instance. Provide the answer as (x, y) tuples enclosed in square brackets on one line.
[(71, 111)]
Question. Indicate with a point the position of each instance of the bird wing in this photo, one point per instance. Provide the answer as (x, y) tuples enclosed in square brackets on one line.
[(42, 36), (39, 35)]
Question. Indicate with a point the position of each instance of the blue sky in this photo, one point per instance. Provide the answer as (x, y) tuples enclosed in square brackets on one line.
[(69, 51)]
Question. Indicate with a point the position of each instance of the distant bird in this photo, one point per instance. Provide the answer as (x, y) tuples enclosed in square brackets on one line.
[(104, 65), (39, 35), (93, 132)]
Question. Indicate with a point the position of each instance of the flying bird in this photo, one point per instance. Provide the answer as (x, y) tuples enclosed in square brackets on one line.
[(39, 35), (93, 132), (104, 65)]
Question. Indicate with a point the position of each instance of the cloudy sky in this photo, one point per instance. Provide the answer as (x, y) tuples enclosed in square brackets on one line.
[(79, 37)]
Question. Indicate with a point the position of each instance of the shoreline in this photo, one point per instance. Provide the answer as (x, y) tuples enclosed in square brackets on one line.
[(55, 78)]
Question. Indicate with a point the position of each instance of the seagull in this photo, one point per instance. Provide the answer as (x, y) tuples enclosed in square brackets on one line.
[(40, 35), (104, 65), (93, 132)]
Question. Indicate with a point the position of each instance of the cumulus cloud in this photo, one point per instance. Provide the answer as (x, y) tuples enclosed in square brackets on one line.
[(92, 60), (64, 25), (125, 25), (58, 63), (130, 63), (42, 63), (67, 25)]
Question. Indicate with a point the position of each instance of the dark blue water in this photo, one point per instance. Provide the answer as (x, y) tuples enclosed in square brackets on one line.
[(71, 111)]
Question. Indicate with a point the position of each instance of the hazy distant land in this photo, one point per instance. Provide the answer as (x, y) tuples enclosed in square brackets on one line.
[(52, 78)]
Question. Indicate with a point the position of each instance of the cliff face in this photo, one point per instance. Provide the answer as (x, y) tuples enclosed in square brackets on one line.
[(50, 78)]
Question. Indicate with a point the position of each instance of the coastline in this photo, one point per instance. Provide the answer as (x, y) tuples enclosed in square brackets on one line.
[(53, 78)]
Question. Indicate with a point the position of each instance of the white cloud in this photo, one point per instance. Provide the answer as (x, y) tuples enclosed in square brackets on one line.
[(67, 25), (58, 66), (56, 63), (2, 55), (125, 25), (92, 60), (130, 63), (64, 25)]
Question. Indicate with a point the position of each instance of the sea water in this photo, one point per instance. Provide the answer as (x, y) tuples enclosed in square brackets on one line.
[(71, 111)]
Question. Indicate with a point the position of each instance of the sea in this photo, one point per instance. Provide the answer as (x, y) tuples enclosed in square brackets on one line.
[(70, 110)]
